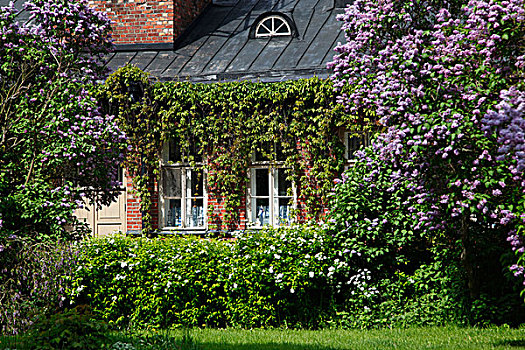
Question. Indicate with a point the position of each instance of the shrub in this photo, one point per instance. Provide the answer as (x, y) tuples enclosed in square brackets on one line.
[(34, 280), (276, 277), (57, 149), (452, 157), (408, 276), (298, 277), (72, 329)]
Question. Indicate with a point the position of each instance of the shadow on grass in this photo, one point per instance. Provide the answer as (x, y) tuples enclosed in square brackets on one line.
[(512, 343), (161, 342)]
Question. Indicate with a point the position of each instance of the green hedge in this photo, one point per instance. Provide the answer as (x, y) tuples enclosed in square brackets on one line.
[(297, 277), (283, 277)]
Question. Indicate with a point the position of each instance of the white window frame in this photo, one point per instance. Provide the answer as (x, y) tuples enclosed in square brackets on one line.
[(277, 22), (350, 148), (273, 198), (186, 172)]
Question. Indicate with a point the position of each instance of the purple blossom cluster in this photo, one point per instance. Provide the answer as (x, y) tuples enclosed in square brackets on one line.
[(59, 148), (72, 28), (398, 52), (34, 279), (508, 122)]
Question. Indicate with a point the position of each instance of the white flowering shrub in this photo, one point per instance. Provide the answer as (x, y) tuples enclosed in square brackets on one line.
[(277, 277)]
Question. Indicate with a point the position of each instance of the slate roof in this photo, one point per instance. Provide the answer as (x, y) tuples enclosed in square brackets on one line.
[(23, 16), (217, 46)]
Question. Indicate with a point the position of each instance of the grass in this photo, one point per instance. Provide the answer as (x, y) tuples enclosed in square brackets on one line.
[(277, 339), (411, 338)]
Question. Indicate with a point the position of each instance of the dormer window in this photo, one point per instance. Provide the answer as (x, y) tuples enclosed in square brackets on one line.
[(272, 25)]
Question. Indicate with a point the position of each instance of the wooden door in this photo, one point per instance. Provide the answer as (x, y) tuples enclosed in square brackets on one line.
[(106, 220)]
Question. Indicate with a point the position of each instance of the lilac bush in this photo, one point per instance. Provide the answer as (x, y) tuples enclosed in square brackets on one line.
[(57, 149), (36, 280), (432, 71)]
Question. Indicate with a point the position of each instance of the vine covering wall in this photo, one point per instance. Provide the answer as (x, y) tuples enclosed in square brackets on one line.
[(229, 122)]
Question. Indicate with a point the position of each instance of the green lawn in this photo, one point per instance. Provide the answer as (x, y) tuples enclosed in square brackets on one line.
[(412, 338), (259, 339)]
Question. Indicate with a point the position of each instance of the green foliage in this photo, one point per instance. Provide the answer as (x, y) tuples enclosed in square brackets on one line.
[(34, 278), (404, 276), (282, 277), (72, 329), (429, 294), (296, 277), (127, 94), (228, 122), (56, 149)]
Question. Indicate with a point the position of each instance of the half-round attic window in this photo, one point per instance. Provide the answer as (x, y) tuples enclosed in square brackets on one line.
[(272, 25)]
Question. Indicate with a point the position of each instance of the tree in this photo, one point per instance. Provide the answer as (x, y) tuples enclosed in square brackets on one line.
[(56, 148), (432, 71)]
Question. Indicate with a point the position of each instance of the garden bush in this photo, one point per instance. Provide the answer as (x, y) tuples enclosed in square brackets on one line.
[(35, 279), (442, 184), (57, 149), (298, 277), (404, 276), (71, 329), (276, 277)]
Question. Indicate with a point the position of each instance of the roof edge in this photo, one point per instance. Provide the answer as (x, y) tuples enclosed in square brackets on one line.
[(143, 47)]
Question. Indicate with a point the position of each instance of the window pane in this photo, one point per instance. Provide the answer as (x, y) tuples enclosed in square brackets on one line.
[(279, 153), (194, 151), (261, 155), (171, 182), (262, 211), (174, 213), (196, 183), (174, 154), (282, 183), (354, 143), (266, 26), (281, 27), (285, 205), (261, 182), (195, 212)]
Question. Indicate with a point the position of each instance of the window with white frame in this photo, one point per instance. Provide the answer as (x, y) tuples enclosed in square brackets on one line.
[(353, 142), (270, 202), (270, 199), (183, 199), (272, 25)]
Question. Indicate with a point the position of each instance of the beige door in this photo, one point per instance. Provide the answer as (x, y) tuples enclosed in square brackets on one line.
[(107, 219)]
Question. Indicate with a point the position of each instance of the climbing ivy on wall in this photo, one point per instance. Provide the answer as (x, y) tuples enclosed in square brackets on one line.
[(229, 122)]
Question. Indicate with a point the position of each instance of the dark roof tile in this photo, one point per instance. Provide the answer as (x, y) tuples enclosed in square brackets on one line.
[(217, 45)]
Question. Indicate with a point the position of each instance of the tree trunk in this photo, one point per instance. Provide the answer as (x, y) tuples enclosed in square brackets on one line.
[(468, 258)]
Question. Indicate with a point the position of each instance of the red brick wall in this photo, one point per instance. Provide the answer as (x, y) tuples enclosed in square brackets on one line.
[(216, 215), (149, 21), (133, 214)]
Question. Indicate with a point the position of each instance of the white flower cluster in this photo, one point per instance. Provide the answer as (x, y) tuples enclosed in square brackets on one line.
[(360, 282), (122, 346)]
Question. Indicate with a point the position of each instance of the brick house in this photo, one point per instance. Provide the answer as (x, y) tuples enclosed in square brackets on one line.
[(207, 41)]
